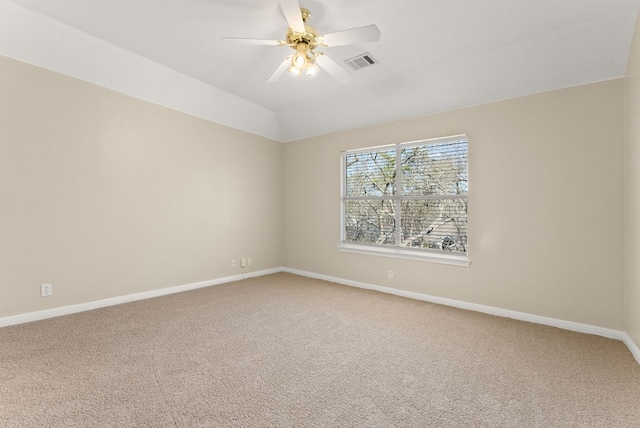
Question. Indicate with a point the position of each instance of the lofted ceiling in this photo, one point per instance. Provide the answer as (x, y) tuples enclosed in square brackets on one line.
[(433, 55)]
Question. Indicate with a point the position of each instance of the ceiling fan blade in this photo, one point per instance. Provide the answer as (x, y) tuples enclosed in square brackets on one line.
[(366, 34), (334, 69), (291, 10), (242, 41), (281, 68)]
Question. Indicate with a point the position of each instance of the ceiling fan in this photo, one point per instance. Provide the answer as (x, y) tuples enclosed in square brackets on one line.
[(304, 39)]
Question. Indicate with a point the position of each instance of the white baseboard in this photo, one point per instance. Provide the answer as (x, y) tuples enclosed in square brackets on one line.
[(81, 307), (632, 347), (522, 316)]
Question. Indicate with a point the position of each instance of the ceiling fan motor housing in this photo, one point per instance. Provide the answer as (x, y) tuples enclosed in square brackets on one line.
[(309, 39)]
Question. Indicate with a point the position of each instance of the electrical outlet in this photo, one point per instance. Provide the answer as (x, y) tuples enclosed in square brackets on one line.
[(233, 262), (249, 261), (390, 274), (45, 290), (243, 262)]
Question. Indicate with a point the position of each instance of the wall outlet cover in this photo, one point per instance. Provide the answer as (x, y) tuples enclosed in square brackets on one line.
[(45, 290)]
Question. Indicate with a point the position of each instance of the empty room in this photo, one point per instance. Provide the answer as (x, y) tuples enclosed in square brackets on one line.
[(331, 213)]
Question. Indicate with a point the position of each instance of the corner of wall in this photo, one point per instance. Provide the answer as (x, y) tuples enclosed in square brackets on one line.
[(632, 195)]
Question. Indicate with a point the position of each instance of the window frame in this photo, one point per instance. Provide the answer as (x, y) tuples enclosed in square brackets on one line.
[(397, 251)]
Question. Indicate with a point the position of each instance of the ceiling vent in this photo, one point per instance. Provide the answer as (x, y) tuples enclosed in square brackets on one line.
[(361, 61)]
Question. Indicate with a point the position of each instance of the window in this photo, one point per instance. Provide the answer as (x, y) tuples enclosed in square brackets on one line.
[(407, 200)]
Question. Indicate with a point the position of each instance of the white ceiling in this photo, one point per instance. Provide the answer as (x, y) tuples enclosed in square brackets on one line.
[(434, 55)]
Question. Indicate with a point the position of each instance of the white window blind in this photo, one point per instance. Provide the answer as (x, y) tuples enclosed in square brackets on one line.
[(407, 199)]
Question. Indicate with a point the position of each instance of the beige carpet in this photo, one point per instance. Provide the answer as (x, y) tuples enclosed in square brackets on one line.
[(283, 350)]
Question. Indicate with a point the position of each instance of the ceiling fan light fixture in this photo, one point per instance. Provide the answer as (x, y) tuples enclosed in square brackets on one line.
[(300, 60), (295, 71), (312, 69), (303, 62)]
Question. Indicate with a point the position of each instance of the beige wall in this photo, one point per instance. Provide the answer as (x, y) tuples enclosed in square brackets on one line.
[(632, 192), (545, 206), (104, 195)]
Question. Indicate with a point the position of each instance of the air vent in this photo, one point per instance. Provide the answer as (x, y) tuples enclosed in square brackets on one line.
[(361, 61)]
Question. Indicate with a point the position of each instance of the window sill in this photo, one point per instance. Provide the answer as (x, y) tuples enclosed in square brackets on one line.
[(399, 253)]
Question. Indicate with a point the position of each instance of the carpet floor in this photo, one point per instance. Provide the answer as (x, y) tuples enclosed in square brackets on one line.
[(287, 351)]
